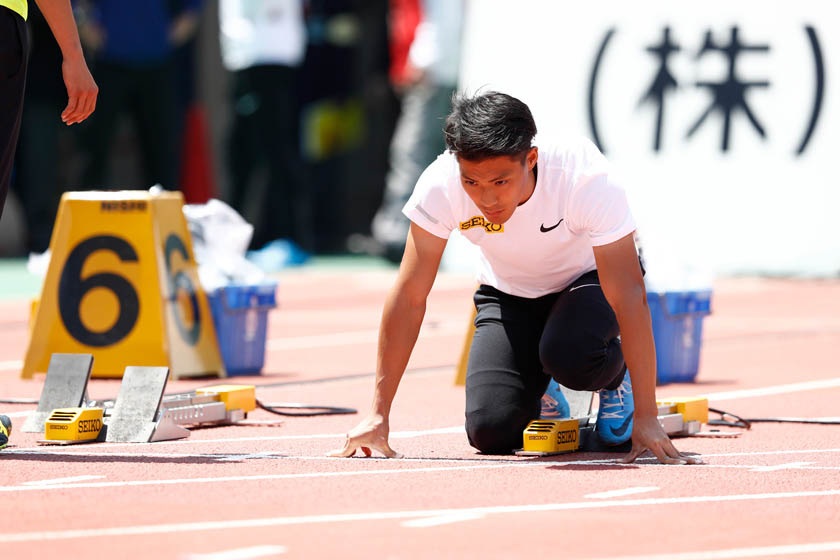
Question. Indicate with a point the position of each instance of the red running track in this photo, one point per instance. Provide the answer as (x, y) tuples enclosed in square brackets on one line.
[(268, 492)]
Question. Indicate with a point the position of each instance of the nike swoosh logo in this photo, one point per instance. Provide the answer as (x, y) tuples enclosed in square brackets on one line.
[(623, 428), (546, 229)]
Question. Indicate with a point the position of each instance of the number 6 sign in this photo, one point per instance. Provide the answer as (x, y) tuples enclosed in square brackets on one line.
[(122, 285)]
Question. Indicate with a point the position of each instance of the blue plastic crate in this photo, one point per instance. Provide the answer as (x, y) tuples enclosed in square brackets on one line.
[(677, 319), (240, 314)]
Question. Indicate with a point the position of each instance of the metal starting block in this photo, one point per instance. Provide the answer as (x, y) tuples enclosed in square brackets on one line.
[(65, 386), (678, 417), (140, 413)]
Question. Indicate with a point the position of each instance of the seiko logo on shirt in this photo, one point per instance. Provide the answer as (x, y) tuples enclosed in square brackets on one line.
[(479, 221)]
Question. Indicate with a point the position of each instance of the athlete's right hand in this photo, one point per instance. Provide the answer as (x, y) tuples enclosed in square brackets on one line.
[(371, 433)]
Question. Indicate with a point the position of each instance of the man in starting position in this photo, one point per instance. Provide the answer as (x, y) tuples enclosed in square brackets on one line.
[(561, 292)]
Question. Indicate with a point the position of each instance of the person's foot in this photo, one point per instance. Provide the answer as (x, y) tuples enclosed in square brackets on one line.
[(554, 404), (5, 430), (615, 413)]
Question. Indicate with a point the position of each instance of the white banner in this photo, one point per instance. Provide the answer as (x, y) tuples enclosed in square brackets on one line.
[(720, 115)]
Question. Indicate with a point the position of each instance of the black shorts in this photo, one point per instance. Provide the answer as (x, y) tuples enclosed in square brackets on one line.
[(14, 49), (520, 343)]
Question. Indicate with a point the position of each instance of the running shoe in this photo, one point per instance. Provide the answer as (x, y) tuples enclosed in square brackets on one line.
[(615, 413), (5, 430), (554, 404)]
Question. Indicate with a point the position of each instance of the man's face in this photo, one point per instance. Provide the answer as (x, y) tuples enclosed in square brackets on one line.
[(498, 185)]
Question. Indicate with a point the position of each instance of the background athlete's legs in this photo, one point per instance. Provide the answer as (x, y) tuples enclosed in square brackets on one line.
[(13, 52), (505, 378), (579, 345)]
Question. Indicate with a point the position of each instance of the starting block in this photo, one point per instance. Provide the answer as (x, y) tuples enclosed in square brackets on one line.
[(141, 412), (65, 386), (678, 417)]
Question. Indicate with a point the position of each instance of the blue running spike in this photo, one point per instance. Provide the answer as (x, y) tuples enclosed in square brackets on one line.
[(554, 404), (615, 413)]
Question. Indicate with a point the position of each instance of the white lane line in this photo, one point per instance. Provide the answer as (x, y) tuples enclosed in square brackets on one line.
[(620, 493), (216, 480), (774, 390), (395, 435), (244, 457), (17, 414), (647, 461), (437, 520), (239, 553), (371, 472), (756, 453), (753, 552), (784, 467), (443, 328), (382, 515), (66, 480), (764, 468), (11, 365)]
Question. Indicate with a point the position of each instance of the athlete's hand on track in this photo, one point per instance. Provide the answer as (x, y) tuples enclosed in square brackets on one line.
[(81, 90), (649, 435), (371, 433)]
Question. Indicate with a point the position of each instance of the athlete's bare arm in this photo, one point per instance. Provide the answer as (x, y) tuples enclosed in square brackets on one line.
[(624, 288), (81, 89), (401, 320)]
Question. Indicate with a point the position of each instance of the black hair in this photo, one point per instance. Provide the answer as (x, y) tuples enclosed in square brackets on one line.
[(488, 125)]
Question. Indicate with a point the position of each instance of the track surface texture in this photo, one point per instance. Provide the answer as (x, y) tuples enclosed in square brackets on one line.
[(254, 491)]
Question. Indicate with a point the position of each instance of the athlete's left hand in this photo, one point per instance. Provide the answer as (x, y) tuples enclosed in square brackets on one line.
[(82, 91), (649, 435)]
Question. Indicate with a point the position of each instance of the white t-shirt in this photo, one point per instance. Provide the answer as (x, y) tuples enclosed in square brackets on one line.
[(576, 200)]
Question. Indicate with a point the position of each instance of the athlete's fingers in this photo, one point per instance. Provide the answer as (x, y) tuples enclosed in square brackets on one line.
[(664, 457), (390, 453), (341, 452), (70, 110), (348, 450), (674, 452), (633, 455)]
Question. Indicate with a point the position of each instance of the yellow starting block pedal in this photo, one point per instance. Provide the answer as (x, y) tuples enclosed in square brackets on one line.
[(550, 437), (235, 397), (73, 425), (683, 416)]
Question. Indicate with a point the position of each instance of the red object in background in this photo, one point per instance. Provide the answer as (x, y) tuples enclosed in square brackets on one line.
[(197, 167), (404, 18)]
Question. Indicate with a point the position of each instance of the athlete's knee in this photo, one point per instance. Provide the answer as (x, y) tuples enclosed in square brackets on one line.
[(581, 365), (496, 433), (568, 362)]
